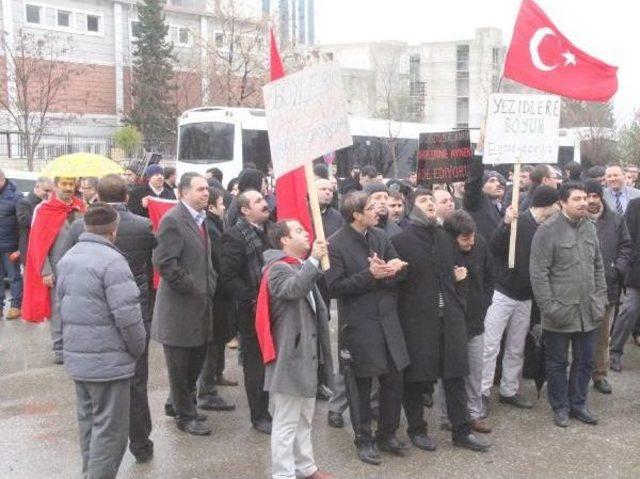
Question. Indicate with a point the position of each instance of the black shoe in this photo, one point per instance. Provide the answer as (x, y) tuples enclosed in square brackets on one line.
[(584, 415), (194, 427), (144, 457), (369, 454), (170, 412), (263, 425), (324, 393), (615, 364), (561, 418), (472, 442), (216, 403), (424, 442), (427, 400), (393, 445), (517, 401), (335, 419), (602, 385), (57, 359), (446, 426)]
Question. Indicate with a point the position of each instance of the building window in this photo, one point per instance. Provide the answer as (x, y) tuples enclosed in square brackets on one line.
[(34, 14), (64, 18), (93, 23), (135, 29), (462, 57), (219, 39), (462, 83), (183, 36), (462, 112)]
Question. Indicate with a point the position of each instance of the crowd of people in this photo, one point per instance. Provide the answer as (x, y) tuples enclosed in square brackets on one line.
[(429, 311)]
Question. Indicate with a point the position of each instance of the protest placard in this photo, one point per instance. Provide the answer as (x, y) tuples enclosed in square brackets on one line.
[(444, 157), (522, 128), (306, 116)]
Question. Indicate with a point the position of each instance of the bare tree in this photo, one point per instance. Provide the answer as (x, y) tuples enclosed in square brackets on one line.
[(37, 76), (629, 141)]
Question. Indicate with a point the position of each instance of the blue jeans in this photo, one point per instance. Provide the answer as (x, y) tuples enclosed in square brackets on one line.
[(13, 273), (569, 393)]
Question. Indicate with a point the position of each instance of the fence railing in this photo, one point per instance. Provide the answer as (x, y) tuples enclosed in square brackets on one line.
[(12, 146)]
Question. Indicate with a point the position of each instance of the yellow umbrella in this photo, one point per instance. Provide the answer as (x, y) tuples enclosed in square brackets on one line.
[(81, 165)]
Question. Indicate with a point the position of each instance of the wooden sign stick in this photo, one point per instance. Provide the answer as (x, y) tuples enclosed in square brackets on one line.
[(515, 204), (316, 215)]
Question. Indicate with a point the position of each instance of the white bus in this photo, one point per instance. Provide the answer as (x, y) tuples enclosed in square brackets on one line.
[(229, 138)]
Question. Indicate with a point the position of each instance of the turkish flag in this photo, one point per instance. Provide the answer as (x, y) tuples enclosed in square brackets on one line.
[(157, 207), (291, 188), (541, 57)]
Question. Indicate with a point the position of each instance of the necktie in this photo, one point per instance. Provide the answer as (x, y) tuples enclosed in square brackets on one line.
[(619, 204), (203, 234)]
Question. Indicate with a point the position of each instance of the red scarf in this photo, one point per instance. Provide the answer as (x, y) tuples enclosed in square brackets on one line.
[(47, 222), (263, 315)]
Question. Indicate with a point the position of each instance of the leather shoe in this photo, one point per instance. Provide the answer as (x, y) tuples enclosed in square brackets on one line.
[(481, 426), (216, 403), (320, 475), (368, 454), (392, 445), (194, 427), (517, 401), (424, 442), (57, 359), (602, 385), (615, 364), (584, 415), (561, 418), (472, 442), (170, 412), (263, 425), (144, 457), (222, 381), (335, 420)]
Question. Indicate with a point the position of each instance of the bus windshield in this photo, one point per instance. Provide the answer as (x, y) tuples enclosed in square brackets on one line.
[(210, 142)]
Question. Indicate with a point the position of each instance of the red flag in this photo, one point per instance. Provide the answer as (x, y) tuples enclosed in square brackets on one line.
[(541, 57), (291, 189), (157, 208)]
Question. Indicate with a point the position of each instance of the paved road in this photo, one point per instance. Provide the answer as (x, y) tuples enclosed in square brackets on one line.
[(38, 431)]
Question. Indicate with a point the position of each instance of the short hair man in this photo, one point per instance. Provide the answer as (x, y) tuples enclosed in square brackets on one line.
[(88, 190), (617, 195), (568, 281), (445, 205), (540, 175), (10, 195), (617, 255), (170, 177), (597, 173), (155, 187), (182, 317), (395, 206), (331, 219), (510, 310), (103, 338), (631, 172), (298, 320), (368, 174), (378, 196), (24, 212)]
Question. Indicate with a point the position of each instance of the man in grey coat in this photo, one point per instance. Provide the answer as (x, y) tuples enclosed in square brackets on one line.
[(568, 282), (182, 317), (300, 332), (103, 336)]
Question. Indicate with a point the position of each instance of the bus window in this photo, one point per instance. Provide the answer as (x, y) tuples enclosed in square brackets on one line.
[(209, 142), (256, 148)]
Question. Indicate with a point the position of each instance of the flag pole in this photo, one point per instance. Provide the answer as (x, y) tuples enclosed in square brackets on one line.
[(515, 206), (316, 215)]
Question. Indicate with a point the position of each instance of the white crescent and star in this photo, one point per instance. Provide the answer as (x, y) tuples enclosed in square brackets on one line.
[(534, 50)]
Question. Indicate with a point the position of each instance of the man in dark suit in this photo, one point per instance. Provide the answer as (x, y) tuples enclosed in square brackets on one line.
[(182, 319), (240, 271), (24, 212)]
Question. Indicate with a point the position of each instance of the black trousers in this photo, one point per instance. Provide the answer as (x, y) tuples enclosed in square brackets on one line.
[(140, 416), (253, 369), (183, 366), (390, 405), (456, 396)]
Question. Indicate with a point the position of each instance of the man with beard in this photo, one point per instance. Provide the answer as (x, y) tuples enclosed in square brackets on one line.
[(432, 314), (395, 207), (241, 270), (364, 271), (331, 219), (617, 255), (483, 192), (567, 277), (378, 196)]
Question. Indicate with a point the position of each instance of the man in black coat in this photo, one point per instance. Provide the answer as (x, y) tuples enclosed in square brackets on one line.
[(213, 367), (136, 241), (155, 187), (24, 212), (9, 236), (483, 192), (241, 270), (617, 255), (182, 317), (363, 275), (510, 310), (432, 314)]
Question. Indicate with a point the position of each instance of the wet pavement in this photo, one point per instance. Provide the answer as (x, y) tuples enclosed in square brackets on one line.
[(38, 430)]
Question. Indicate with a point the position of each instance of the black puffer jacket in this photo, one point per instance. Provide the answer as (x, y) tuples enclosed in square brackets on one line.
[(9, 197)]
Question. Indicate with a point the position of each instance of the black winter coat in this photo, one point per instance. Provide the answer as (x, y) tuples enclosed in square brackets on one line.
[(514, 283), (24, 215), (437, 346), (9, 197), (477, 204), (367, 307), (222, 327), (135, 198)]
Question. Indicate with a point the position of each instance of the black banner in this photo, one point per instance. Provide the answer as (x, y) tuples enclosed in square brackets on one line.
[(444, 157)]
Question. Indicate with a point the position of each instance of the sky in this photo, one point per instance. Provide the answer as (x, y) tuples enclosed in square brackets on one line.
[(607, 30)]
